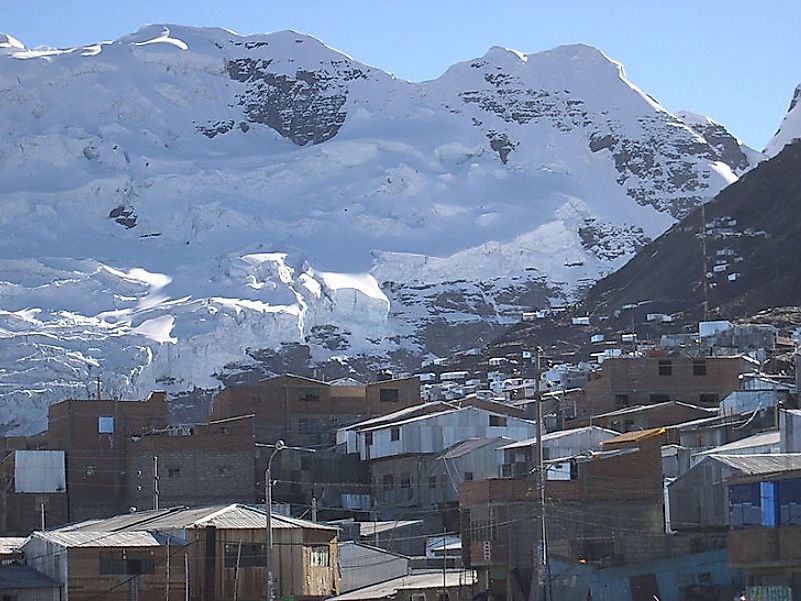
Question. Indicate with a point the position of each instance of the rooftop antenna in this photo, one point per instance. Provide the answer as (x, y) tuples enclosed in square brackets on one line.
[(98, 387)]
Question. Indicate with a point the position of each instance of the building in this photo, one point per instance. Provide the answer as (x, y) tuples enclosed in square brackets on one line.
[(95, 435), (518, 459), (626, 381), (609, 512), (201, 464), (34, 491), (114, 566), (765, 520), (224, 548), (645, 417), (304, 411)]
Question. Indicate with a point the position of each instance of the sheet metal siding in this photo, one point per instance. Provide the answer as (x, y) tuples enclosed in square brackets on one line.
[(441, 431), (39, 471), (364, 566)]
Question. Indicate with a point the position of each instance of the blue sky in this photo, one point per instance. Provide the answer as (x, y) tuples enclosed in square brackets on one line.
[(736, 61)]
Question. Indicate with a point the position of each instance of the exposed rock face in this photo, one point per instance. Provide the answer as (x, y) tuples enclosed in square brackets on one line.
[(306, 108)]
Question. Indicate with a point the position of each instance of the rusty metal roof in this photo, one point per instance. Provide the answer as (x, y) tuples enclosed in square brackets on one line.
[(634, 436)]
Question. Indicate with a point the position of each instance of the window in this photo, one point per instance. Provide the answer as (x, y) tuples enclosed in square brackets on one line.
[(320, 556), (405, 480), (699, 367), (222, 470), (91, 471), (418, 597), (497, 420), (105, 424), (394, 433), (622, 400), (251, 555), (126, 566), (665, 368), (468, 476), (388, 482), (173, 472), (389, 395), (708, 398), (368, 439), (309, 394), (432, 482)]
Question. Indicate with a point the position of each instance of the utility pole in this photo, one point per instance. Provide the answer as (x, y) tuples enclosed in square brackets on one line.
[(538, 588), (268, 501), (42, 508), (155, 482), (314, 509), (98, 388)]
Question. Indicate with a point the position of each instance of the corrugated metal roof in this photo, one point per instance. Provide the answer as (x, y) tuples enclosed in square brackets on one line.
[(644, 408), (470, 445), (634, 436), (557, 435), (760, 465), (100, 539), (14, 576), (757, 440), (11, 544), (231, 517), (372, 528), (416, 580)]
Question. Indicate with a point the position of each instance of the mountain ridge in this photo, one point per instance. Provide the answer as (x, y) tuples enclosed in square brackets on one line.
[(183, 201)]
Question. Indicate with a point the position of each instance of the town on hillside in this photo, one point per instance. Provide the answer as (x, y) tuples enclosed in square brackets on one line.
[(668, 469)]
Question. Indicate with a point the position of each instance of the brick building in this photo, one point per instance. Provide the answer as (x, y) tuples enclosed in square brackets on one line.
[(201, 464), (626, 381), (609, 512), (95, 435), (308, 412)]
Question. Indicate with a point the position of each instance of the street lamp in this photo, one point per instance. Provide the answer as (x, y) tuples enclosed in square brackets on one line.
[(280, 445)]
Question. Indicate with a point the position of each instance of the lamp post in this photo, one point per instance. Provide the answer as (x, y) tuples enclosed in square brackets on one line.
[(280, 445)]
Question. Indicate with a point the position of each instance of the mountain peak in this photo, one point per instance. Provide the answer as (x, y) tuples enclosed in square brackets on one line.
[(790, 128), (9, 42)]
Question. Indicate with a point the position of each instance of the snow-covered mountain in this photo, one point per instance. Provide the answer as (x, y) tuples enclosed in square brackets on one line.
[(178, 202), (790, 128)]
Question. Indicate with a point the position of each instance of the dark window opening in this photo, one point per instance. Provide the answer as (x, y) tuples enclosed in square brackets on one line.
[(406, 480), (699, 368), (432, 482), (389, 395), (174, 472), (368, 439), (622, 400), (251, 555), (468, 476), (126, 566), (394, 433), (708, 399), (497, 420), (309, 394), (666, 368), (388, 482)]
